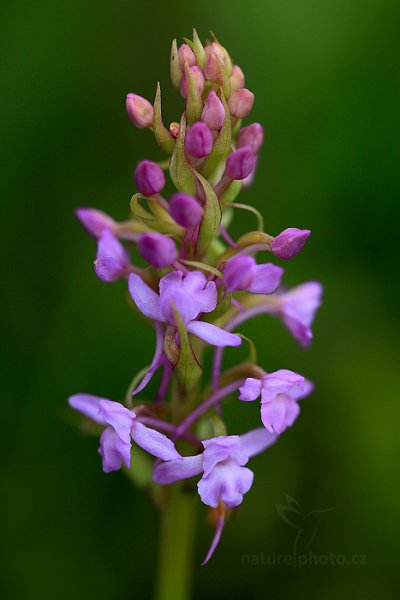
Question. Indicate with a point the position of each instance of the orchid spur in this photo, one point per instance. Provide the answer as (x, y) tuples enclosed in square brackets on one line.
[(198, 286)]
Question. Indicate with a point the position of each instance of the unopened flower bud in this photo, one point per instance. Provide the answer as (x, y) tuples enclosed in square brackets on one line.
[(252, 136), (198, 79), (112, 260), (214, 63), (95, 221), (185, 210), (236, 78), (157, 249), (240, 163), (199, 140), (288, 243), (149, 178), (174, 129), (240, 103), (186, 57), (239, 273), (213, 112), (140, 111)]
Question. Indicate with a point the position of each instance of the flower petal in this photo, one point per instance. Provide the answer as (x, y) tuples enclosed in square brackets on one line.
[(257, 441), (215, 541), (114, 451), (155, 363), (147, 301), (154, 442), (119, 418), (227, 482), (205, 293), (250, 390), (108, 269), (110, 246), (212, 334), (281, 382), (267, 279), (175, 470), (279, 414), (88, 405)]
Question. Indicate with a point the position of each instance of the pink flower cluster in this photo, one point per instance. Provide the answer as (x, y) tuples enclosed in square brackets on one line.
[(196, 286)]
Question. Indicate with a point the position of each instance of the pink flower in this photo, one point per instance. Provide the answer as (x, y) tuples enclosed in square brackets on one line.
[(279, 394), (190, 295)]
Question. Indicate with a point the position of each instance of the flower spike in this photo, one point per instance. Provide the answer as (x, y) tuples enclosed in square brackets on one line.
[(196, 285)]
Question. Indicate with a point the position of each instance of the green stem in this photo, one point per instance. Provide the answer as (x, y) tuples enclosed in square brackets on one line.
[(176, 545)]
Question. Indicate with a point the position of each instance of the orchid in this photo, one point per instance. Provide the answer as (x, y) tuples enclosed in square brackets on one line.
[(121, 425), (197, 287), (189, 295), (279, 393)]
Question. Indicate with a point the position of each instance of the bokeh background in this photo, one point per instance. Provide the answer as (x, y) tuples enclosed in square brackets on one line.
[(325, 76)]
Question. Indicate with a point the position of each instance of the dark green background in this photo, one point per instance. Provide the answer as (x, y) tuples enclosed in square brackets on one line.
[(325, 76)]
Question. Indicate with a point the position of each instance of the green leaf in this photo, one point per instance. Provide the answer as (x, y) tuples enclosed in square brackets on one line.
[(179, 168), (222, 145), (194, 102), (175, 68), (158, 221), (202, 266), (164, 139), (199, 50), (212, 217)]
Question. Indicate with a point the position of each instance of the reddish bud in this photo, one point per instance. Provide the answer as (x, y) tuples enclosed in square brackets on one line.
[(199, 140), (198, 78), (236, 78), (240, 163), (252, 135), (185, 210), (213, 112), (140, 111), (157, 249), (289, 242), (186, 57), (149, 177), (240, 103)]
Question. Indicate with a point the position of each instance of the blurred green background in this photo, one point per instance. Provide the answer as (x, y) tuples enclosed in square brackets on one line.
[(325, 77)]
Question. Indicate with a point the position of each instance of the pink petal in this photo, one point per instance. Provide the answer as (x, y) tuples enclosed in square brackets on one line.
[(215, 541), (175, 470), (147, 301), (267, 279), (212, 334), (88, 405), (154, 442), (257, 441), (250, 390)]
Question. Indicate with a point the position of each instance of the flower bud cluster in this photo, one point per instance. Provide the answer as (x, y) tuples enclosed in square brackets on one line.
[(199, 285)]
